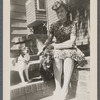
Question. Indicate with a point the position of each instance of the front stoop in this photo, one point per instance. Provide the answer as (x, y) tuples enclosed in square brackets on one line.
[(41, 90)]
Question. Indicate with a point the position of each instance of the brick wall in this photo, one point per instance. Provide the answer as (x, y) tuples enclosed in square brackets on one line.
[(34, 16), (32, 91)]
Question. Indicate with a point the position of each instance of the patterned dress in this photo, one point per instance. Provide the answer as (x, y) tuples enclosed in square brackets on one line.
[(63, 33)]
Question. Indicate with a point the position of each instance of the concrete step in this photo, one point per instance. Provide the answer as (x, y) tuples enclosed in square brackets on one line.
[(34, 57), (35, 61), (15, 77), (50, 98), (83, 87), (36, 90), (34, 70), (32, 91)]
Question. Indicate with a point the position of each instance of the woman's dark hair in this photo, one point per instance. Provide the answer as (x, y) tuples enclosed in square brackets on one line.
[(59, 4)]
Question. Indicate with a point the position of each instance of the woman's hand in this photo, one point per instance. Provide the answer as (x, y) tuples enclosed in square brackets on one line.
[(41, 50), (53, 44)]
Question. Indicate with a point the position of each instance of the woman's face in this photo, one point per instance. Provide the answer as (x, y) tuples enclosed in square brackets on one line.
[(61, 13)]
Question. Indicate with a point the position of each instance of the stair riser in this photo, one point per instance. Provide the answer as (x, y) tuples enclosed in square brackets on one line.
[(33, 91)]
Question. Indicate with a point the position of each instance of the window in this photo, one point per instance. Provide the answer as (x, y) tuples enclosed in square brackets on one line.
[(41, 5)]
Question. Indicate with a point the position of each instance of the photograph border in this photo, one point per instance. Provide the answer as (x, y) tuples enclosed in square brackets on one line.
[(1, 45), (98, 72), (6, 50)]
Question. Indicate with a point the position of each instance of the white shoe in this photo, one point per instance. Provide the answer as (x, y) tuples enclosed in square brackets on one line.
[(24, 83), (64, 95), (55, 95)]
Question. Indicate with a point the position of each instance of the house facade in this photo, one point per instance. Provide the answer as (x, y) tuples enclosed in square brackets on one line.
[(36, 15), (40, 16)]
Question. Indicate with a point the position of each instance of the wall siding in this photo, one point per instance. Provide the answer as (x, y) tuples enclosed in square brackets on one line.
[(18, 26), (30, 12), (18, 15), (18, 23), (51, 15), (18, 2), (33, 14), (19, 32), (40, 15), (18, 8)]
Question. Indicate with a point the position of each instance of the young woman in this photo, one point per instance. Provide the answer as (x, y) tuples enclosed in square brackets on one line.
[(64, 49)]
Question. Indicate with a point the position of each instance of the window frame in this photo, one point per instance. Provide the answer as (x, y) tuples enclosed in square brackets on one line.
[(38, 8)]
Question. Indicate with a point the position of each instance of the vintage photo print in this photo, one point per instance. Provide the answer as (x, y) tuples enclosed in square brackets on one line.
[(50, 50)]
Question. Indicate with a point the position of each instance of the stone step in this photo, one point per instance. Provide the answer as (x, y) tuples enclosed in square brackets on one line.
[(85, 96), (34, 70), (32, 91), (40, 89), (83, 87), (35, 91), (15, 77), (34, 57), (35, 61), (84, 75), (50, 98), (34, 66)]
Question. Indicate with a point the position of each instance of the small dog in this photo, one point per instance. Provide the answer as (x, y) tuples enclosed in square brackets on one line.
[(22, 63), (46, 65)]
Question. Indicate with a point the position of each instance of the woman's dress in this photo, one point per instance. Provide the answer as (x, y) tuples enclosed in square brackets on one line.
[(63, 33)]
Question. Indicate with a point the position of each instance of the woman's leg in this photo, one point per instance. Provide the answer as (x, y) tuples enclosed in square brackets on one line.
[(57, 74), (68, 68)]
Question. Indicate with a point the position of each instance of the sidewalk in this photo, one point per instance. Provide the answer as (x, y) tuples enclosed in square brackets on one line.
[(49, 98)]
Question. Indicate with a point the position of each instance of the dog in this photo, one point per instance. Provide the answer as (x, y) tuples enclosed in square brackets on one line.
[(22, 63), (46, 64)]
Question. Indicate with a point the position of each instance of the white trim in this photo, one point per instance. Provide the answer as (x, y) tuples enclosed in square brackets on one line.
[(38, 6)]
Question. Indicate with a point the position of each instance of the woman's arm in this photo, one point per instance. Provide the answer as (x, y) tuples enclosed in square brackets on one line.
[(49, 40), (51, 34), (66, 44)]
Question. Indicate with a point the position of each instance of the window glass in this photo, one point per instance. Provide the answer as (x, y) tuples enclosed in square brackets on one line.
[(41, 4)]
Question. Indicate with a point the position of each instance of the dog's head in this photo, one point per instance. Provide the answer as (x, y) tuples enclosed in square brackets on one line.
[(24, 51), (47, 60)]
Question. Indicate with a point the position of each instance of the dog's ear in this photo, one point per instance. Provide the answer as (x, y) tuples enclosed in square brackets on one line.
[(14, 61), (29, 50), (22, 53)]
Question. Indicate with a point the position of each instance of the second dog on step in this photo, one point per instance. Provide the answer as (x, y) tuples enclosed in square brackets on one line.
[(22, 64)]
